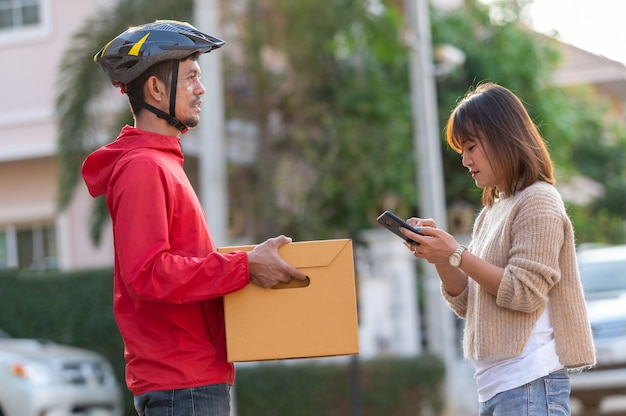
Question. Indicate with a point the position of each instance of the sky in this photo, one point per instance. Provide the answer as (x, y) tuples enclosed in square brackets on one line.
[(598, 26)]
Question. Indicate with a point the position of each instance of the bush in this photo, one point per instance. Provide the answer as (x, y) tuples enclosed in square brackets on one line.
[(391, 386), (76, 309), (73, 308)]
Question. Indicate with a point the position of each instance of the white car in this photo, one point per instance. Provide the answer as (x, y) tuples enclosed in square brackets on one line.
[(41, 378), (603, 275)]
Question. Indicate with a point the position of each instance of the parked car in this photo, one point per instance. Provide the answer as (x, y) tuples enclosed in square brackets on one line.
[(603, 275), (41, 378)]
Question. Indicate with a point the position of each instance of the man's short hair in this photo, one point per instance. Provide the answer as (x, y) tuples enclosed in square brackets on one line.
[(161, 70)]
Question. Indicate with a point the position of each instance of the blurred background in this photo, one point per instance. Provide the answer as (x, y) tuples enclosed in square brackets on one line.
[(318, 116)]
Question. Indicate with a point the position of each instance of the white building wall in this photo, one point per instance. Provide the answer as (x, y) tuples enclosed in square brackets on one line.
[(30, 60), (72, 226)]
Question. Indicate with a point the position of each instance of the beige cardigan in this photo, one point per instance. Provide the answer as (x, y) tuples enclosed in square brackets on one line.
[(531, 237)]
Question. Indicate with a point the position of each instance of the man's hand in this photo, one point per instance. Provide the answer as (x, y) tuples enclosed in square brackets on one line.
[(267, 268)]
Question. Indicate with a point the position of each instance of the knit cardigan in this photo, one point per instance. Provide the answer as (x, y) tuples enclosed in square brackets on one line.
[(529, 235)]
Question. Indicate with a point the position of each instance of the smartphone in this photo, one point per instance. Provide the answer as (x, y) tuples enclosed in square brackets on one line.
[(393, 223)]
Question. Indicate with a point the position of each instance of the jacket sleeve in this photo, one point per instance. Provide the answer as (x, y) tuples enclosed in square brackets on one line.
[(162, 244)]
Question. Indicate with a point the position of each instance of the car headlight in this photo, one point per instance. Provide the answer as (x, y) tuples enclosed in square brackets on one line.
[(33, 372)]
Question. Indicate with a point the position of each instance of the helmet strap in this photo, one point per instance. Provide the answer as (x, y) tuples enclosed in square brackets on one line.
[(173, 89), (172, 121), (171, 117)]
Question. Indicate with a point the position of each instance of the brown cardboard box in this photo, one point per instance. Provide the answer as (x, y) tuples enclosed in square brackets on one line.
[(296, 322)]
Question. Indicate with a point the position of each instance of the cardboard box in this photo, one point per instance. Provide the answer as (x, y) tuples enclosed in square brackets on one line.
[(317, 320)]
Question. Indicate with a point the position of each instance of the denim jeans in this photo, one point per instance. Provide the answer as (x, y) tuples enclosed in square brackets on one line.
[(546, 396), (211, 400)]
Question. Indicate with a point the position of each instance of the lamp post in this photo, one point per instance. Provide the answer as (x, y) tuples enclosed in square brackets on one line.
[(212, 158), (430, 188)]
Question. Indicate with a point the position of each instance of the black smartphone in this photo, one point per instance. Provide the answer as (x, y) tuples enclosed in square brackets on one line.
[(394, 223)]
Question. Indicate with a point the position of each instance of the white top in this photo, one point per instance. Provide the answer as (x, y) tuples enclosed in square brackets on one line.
[(538, 359)]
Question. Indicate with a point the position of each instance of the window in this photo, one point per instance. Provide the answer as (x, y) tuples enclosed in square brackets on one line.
[(32, 248), (19, 13), (24, 22)]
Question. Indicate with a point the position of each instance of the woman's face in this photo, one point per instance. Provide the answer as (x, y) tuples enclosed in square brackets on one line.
[(474, 158)]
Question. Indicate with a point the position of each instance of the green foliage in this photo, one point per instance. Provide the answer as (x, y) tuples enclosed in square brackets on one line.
[(581, 138), (343, 104), (501, 52), (601, 226), (76, 309), (60, 307), (325, 85), (393, 386), (585, 141), (67, 308)]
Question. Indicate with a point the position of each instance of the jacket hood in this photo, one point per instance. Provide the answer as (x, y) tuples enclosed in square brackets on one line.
[(98, 167)]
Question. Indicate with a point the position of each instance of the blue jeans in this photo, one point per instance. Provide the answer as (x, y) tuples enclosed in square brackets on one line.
[(211, 400), (546, 396)]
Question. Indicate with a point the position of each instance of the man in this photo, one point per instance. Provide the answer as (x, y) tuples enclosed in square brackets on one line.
[(169, 279)]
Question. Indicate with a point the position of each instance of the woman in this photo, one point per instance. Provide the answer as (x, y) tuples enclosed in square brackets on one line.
[(517, 284)]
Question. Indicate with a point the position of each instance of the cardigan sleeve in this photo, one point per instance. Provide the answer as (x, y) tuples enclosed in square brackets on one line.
[(457, 303), (537, 236)]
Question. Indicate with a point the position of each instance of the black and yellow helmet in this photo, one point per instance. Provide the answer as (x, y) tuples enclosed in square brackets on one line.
[(132, 52)]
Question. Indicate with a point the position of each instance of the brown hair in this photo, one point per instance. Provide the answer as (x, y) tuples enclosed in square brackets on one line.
[(495, 117)]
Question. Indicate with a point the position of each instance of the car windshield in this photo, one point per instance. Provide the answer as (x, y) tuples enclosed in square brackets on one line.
[(603, 277)]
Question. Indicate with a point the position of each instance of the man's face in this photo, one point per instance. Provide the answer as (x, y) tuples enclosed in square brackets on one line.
[(188, 93)]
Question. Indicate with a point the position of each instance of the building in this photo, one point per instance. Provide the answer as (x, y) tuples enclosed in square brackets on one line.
[(33, 234), (606, 77)]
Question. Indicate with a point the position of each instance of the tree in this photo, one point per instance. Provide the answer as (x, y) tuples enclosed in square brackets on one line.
[(323, 86), (581, 138), (333, 121)]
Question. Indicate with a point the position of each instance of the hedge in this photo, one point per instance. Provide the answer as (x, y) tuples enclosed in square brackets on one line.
[(75, 309), (391, 386)]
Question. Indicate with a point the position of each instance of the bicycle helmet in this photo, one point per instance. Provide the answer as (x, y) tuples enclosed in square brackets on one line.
[(134, 51)]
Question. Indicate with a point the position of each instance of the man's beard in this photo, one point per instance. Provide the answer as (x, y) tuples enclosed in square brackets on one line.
[(191, 121)]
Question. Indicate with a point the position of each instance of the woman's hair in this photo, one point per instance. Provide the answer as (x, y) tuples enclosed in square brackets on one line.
[(493, 116)]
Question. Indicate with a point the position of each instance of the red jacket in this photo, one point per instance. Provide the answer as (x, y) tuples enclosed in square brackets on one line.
[(169, 279)]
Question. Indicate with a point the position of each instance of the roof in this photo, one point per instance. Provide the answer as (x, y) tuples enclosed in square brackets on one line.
[(583, 67)]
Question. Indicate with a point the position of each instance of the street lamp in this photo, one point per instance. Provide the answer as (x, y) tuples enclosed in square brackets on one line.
[(430, 188), (213, 188)]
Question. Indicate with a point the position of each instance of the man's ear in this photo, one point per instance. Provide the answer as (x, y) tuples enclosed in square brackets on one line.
[(155, 89)]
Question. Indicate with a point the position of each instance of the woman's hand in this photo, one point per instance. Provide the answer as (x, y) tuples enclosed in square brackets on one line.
[(435, 245)]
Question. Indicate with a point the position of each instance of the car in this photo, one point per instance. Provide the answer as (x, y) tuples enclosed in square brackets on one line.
[(42, 378), (603, 276)]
